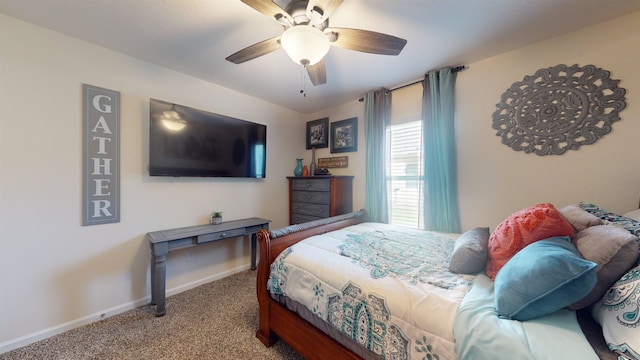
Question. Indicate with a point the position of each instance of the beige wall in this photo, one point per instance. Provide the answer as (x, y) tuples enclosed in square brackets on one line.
[(494, 180), (356, 159), (56, 274)]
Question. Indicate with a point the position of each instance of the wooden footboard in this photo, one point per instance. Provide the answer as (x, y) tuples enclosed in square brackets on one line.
[(276, 321)]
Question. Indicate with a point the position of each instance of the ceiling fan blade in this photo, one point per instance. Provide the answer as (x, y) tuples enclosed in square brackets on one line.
[(367, 41), (255, 50), (269, 8), (317, 73), (326, 6)]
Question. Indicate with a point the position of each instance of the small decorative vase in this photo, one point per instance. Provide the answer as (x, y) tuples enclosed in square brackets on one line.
[(216, 220), (298, 170), (312, 166), (305, 171)]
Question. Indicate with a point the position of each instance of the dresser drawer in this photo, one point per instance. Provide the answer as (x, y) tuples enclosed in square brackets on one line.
[(311, 184), (312, 197), (310, 209)]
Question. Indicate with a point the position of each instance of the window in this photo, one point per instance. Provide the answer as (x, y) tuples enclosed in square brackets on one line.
[(405, 174), (403, 156)]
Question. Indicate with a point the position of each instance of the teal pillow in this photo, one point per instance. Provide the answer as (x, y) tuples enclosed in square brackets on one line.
[(542, 278)]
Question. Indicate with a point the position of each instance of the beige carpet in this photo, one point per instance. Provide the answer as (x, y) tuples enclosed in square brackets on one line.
[(217, 320)]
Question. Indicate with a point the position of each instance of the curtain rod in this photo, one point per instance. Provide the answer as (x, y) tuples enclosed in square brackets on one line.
[(453, 70)]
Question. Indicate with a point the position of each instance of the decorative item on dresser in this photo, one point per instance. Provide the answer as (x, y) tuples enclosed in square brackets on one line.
[(298, 170), (317, 197), (312, 165)]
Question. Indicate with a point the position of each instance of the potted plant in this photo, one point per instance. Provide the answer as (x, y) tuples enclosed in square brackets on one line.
[(216, 217)]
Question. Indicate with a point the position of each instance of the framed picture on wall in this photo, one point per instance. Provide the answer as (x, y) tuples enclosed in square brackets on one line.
[(344, 135), (318, 133)]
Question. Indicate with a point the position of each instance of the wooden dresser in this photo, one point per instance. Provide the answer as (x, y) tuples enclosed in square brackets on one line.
[(317, 197)]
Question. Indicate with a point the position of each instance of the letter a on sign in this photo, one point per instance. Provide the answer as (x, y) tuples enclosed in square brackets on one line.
[(101, 155)]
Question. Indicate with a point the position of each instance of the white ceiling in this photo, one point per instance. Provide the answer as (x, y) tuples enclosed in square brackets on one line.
[(195, 36)]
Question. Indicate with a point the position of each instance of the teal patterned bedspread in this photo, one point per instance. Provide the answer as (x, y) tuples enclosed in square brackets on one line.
[(385, 287), (414, 258)]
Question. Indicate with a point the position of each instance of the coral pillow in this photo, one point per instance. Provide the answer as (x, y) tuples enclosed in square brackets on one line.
[(522, 228)]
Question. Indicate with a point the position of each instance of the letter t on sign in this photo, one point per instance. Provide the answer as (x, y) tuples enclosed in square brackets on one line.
[(101, 155)]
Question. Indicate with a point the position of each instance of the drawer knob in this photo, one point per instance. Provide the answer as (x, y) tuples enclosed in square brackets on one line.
[(223, 235), (308, 197), (308, 184)]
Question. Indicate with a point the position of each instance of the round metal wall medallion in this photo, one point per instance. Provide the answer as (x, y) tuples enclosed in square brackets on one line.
[(558, 109)]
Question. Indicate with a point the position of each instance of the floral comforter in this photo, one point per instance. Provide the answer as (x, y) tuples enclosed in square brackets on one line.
[(385, 287)]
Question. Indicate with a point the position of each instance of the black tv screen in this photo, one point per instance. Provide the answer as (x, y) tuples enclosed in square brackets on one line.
[(187, 142)]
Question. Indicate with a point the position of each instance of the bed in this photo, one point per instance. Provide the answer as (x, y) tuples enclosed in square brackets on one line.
[(331, 289)]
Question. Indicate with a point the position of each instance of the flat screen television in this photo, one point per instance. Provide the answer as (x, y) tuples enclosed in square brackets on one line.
[(188, 142)]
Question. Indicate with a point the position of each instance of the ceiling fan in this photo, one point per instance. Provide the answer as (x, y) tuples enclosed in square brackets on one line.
[(307, 36)]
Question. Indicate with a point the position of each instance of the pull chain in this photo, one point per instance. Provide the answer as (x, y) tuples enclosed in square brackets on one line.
[(303, 83)]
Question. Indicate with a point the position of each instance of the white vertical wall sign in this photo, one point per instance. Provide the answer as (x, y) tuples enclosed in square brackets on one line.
[(101, 155)]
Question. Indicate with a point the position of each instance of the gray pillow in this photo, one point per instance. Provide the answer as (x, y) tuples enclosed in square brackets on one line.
[(614, 249), (579, 218), (469, 254)]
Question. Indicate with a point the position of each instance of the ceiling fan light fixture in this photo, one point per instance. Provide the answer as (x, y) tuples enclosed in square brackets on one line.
[(305, 44)]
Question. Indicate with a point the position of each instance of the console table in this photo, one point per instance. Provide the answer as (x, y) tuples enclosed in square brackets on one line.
[(164, 241)]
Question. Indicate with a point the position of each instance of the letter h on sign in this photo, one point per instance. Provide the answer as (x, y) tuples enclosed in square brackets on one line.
[(101, 155)]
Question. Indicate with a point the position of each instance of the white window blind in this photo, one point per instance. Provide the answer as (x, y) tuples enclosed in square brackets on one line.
[(405, 174)]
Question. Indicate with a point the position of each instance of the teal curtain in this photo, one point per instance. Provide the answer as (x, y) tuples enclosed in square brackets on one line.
[(377, 115), (441, 212)]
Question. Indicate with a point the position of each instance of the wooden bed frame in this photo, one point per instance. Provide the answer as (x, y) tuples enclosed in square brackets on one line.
[(276, 321)]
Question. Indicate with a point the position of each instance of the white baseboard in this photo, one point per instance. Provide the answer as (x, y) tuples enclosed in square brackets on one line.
[(208, 279), (106, 313)]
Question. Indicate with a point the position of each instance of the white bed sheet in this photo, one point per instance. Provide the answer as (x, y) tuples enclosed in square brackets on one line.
[(480, 334), (404, 311)]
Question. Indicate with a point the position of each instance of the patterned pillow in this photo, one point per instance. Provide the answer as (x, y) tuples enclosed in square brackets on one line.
[(608, 217), (522, 228), (619, 314)]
